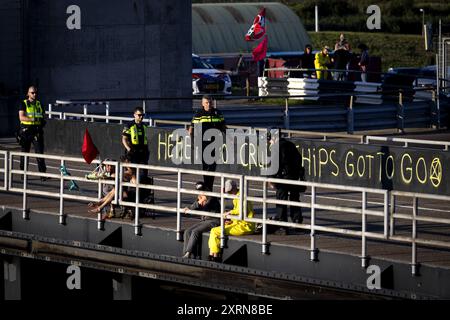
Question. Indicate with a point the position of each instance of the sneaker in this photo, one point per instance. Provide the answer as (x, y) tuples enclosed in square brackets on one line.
[(187, 255)]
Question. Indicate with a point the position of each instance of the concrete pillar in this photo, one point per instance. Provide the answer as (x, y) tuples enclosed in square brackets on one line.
[(122, 287), (12, 279)]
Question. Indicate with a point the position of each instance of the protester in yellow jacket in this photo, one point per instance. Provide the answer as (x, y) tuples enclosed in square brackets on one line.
[(233, 227), (322, 61)]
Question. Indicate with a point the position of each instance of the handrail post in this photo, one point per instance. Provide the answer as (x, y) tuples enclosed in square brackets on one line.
[(10, 167), (364, 257), (137, 227), (120, 178), (391, 216), (49, 110), (386, 214), (400, 113), (222, 207), (436, 110), (100, 222), (85, 112), (62, 217), (265, 244), (107, 112), (414, 264), (242, 195), (6, 173), (350, 117), (143, 105), (313, 251), (179, 186), (25, 211), (438, 89), (286, 114)]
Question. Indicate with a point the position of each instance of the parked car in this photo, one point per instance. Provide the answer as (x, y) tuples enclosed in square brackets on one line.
[(424, 76), (208, 80)]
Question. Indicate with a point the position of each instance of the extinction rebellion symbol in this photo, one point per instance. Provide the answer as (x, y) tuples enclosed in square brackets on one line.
[(436, 172)]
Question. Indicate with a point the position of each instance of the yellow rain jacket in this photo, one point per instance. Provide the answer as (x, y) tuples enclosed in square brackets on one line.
[(321, 62), (235, 228)]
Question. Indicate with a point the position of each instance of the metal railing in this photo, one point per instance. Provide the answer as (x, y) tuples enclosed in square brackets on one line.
[(407, 142), (345, 116), (86, 116), (382, 75), (85, 105), (4, 169), (324, 136), (178, 190), (414, 239), (26, 187), (314, 206), (388, 212)]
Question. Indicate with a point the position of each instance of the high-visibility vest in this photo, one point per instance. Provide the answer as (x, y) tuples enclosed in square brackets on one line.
[(33, 111), (208, 118), (134, 134)]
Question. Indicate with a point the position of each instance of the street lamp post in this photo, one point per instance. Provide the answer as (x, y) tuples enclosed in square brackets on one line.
[(423, 20)]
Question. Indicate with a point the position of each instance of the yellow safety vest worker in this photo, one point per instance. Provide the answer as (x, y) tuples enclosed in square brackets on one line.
[(33, 111), (135, 135)]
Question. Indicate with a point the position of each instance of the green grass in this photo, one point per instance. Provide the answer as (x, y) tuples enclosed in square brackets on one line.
[(395, 50)]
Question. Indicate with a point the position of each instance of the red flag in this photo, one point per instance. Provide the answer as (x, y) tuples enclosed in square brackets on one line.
[(258, 28), (89, 150), (259, 53)]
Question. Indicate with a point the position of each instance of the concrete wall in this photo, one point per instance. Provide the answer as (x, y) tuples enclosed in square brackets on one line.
[(9, 110), (124, 49), (11, 51)]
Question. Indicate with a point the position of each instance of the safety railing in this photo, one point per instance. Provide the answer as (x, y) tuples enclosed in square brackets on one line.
[(387, 213), (414, 217), (314, 206), (107, 118), (4, 169), (286, 72), (158, 122), (297, 117), (178, 191), (85, 105), (407, 142), (324, 136), (61, 195)]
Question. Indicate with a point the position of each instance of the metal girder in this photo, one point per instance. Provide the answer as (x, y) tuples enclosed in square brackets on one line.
[(340, 274), (185, 273)]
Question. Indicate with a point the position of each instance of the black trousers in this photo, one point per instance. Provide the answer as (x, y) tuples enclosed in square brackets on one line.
[(209, 180), (32, 135), (291, 193), (140, 156)]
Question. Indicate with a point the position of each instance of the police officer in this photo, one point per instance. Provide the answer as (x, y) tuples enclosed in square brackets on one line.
[(31, 116), (134, 139), (290, 167), (208, 118)]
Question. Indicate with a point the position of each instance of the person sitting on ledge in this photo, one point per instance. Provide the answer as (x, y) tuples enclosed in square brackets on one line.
[(193, 234), (232, 227), (109, 191)]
